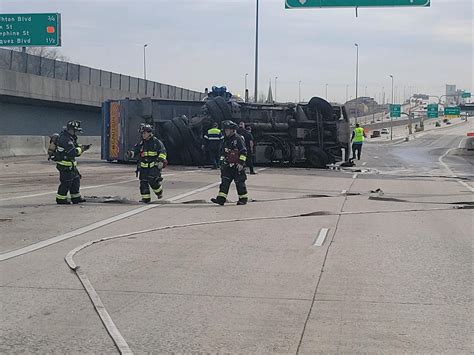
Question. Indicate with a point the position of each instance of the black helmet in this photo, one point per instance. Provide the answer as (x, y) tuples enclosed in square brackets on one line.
[(229, 125), (145, 128), (75, 125)]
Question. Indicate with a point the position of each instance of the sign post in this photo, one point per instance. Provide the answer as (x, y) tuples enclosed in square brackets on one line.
[(30, 30)]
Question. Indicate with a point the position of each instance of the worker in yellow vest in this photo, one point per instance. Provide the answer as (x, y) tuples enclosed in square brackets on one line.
[(358, 136)]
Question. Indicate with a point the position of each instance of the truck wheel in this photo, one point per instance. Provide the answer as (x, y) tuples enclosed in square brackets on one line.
[(224, 107), (214, 111), (172, 135), (186, 158), (316, 157), (324, 107), (183, 130)]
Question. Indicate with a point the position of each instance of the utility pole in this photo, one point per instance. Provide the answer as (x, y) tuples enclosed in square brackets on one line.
[(347, 93), (326, 92), (299, 91), (391, 123), (357, 81), (144, 61), (256, 53), (276, 77), (246, 93)]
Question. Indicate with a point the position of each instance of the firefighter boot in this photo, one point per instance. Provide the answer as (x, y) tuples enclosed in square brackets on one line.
[(77, 200), (219, 200), (62, 202), (242, 202)]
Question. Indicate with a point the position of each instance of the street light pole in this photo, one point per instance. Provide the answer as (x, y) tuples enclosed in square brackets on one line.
[(299, 91), (276, 77), (256, 53), (357, 80), (391, 123), (326, 92), (144, 61), (246, 95), (347, 93)]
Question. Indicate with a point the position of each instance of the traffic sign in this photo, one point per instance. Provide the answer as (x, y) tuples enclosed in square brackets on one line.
[(432, 110), (30, 30), (395, 110), (452, 111), (466, 95), (295, 4)]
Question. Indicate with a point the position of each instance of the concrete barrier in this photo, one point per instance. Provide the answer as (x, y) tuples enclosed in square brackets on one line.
[(17, 146)]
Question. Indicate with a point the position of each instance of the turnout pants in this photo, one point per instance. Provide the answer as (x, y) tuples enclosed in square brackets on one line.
[(356, 148), (70, 181), (229, 174), (150, 177), (214, 157)]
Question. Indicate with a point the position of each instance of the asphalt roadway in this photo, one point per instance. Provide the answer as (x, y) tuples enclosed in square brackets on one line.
[(372, 259)]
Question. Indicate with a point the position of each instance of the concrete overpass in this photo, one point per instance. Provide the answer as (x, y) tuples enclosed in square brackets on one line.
[(37, 95)]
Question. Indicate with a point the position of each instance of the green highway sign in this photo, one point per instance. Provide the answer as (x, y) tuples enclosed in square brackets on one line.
[(452, 111), (295, 4), (432, 110), (30, 30), (466, 95), (395, 110)]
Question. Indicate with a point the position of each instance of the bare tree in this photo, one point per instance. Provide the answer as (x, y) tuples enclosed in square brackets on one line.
[(45, 52)]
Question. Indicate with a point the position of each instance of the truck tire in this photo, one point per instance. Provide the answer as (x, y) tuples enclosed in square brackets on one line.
[(183, 130), (196, 155), (224, 107), (214, 111), (322, 106), (186, 158), (172, 135), (316, 157)]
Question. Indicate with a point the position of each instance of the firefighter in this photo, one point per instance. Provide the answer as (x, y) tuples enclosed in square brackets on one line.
[(151, 155), (213, 139), (66, 151), (358, 136), (233, 158), (246, 133)]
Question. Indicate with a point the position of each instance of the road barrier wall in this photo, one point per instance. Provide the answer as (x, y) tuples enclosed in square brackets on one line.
[(16, 146)]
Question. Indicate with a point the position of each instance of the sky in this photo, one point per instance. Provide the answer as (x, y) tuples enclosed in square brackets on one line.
[(201, 43)]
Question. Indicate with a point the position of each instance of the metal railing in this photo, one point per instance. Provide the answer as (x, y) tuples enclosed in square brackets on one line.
[(51, 68)]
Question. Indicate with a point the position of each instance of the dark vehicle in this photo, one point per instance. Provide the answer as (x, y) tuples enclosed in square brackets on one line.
[(311, 134), (375, 134)]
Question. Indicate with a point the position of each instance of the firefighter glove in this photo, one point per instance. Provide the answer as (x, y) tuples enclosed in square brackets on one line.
[(160, 165), (240, 167), (86, 147)]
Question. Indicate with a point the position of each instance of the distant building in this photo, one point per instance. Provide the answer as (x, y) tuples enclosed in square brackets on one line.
[(362, 106), (450, 94)]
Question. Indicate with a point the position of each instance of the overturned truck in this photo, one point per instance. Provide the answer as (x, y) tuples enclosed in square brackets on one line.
[(309, 134)]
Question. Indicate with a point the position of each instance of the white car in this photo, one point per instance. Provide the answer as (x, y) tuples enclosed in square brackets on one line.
[(384, 131)]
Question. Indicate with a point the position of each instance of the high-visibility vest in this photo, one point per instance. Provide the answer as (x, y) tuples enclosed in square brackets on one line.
[(358, 135)]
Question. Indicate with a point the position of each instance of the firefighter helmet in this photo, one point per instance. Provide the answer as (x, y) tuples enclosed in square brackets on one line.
[(229, 125), (75, 125), (145, 128)]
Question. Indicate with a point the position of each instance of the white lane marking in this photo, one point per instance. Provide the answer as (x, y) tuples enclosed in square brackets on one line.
[(364, 163), (440, 159), (88, 187), (343, 192), (321, 237), (82, 188), (354, 176), (96, 225)]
